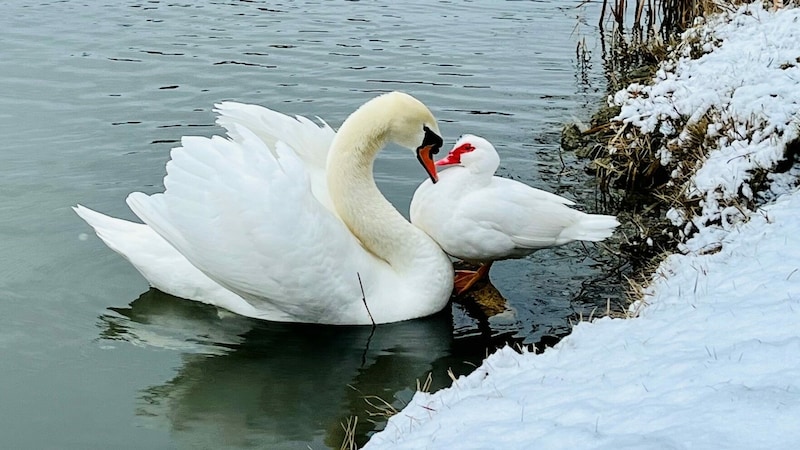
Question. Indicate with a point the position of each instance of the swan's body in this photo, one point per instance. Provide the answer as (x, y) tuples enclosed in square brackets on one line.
[(284, 221), (478, 217)]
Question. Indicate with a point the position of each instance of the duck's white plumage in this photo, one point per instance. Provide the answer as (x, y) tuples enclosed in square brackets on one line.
[(280, 221), (479, 217)]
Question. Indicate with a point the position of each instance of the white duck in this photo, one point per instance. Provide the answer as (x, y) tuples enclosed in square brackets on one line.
[(284, 222), (478, 217)]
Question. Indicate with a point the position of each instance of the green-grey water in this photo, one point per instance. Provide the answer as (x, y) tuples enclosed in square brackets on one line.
[(94, 94)]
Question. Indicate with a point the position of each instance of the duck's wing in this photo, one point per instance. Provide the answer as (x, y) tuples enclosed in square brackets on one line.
[(460, 217), (309, 140), (494, 220), (533, 218), (244, 214)]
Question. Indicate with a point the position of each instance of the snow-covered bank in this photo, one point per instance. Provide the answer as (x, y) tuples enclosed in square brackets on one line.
[(737, 78), (713, 360), (712, 363)]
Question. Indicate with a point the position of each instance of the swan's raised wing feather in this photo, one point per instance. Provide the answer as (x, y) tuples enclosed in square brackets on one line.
[(310, 141), (244, 214)]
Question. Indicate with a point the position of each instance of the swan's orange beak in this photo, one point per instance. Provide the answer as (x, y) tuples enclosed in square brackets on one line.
[(431, 143), (425, 157)]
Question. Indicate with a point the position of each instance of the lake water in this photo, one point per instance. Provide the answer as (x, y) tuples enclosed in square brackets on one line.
[(93, 94)]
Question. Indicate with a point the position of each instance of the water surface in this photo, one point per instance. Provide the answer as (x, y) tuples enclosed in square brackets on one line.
[(94, 95)]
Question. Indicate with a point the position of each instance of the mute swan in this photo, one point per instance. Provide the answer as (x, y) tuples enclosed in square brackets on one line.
[(283, 220), (478, 217)]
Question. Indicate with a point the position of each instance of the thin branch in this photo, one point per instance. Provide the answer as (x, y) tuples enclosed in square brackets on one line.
[(364, 299)]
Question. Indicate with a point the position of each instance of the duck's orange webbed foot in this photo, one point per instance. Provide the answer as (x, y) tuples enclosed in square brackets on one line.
[(465, 279)]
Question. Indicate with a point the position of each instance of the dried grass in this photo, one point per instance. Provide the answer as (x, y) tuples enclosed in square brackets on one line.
[(628, 163), (630, 171), (664, 16), (379, 410), (349, 441)]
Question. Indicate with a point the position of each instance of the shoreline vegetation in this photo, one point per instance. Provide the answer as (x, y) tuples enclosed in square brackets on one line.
[(646, 159), (686, 150), (698, 148)]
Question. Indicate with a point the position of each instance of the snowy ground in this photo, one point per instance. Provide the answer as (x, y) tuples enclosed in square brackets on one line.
[(713, 360)]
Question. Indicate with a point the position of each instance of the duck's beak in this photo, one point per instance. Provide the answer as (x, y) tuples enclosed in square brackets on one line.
[(454, 157), (425, 157), (448, 160)]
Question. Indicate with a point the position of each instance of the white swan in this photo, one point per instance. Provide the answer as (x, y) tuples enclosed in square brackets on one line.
[(478, 217), (284, 222)]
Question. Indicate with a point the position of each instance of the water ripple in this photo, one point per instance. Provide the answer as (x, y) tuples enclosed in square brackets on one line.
[(96, 93)]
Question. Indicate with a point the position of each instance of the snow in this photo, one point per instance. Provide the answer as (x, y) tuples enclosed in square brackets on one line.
[(747, 85), (713, 358)]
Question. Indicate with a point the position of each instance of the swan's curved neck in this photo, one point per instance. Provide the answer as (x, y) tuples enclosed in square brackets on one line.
[(362, 207)]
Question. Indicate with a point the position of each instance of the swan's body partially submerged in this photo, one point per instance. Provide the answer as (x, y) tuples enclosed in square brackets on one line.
[(481, 218), (283, 221)]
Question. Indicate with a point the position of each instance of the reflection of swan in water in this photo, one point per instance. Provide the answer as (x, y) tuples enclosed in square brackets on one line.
[(276, 385)]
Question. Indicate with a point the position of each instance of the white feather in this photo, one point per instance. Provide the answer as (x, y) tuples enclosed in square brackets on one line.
[(476, 216), (247, 222)]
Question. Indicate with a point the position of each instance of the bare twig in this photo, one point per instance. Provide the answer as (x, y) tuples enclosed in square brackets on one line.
[(364, 299), (602, 15), (425, 387), (349, 442)]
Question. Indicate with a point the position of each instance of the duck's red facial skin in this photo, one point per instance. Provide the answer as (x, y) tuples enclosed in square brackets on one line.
[(454, 157)]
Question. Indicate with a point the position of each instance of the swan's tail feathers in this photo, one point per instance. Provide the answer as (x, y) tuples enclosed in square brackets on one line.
[(136, 242), (101, 222), (151, 209), (160, 263), (151, 255), (590, 227), (118, 234)]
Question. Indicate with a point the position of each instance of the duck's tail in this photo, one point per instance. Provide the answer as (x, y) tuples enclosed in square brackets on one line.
[(590, 227)]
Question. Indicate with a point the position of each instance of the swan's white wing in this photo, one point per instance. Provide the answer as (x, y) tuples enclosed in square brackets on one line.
[(309, 140), (248, 220), (160, 264)]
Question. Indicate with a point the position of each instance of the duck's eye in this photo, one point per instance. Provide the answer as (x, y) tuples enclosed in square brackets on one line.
[(463, 148)]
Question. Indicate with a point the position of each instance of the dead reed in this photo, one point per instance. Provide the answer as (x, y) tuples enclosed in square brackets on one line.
[(378, 410), (628, 163), (664, 16)]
